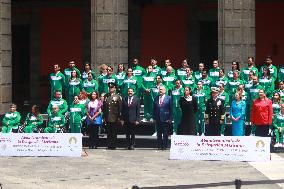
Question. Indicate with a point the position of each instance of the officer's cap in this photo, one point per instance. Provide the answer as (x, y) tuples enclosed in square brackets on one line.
[(111, 85), (214, 89)]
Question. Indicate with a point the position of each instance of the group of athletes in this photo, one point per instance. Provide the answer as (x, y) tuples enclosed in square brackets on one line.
[(77, 87)]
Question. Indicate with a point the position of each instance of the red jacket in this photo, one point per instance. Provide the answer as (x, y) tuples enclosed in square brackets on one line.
[(261, 112)]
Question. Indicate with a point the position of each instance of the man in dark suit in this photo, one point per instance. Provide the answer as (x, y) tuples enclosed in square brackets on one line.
[(130, 116), (214, 114), (112, 113), (163, 117)]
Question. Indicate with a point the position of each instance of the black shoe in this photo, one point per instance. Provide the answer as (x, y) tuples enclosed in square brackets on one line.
[(111, 148), (130, 148)]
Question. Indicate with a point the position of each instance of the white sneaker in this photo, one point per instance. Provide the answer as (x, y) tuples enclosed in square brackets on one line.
[(144, 120), (222, 135), (277, 145), (202, 134), (174, 133), (155, 134), (252, 134), (151, 120)]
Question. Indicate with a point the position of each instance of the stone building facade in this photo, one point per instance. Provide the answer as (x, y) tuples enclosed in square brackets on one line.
[(110, 40)]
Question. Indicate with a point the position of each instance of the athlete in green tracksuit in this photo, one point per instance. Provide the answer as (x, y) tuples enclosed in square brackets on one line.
[(189, 80), (11, 120), (67, 73), (33, 120), (233, 86), (281, 74), (77, 112), (88, 70), (280, 89), (74, 86), (163, 71), (90, 85), (130, 81), (148, 83), (278, 125), (176, 93), (120, 76), (221, 80), (138, 72), (201, 97), (207, 82), (60, 102), (235, 67), (272, 69), (214, 72), (55, 121), (181, 72), (225, 97), (57, 80), (268, 85), (105, 80), (252, 95), (156, 68), (244, 75), (169, 79), (198, 74)]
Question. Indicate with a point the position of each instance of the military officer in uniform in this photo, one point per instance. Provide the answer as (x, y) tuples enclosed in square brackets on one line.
[(112, 112), (214, 114)]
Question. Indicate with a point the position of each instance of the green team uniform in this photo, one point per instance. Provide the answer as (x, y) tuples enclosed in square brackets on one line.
[(189, 82), (232, 88), (201, 98), (32, 122), (129, 83), (120, 76), (176, 94), (252, 95), (61, 103), (248, 84), (169, 81), (272, 69), (163, 71), (221, 80), (55, 121), (156, 70), (104, 81), (57, 83), (85, 75), (276, 108), (11, 121), (279, 123), (197, 75), (230, 74), (77, 112), (138, 72), (181, 73), (67, 73), (90, 86), (74, 88), (225, 97), (148, 83), (268, 86), (214, 74), (155, 91), (207, 83), (244, 75), (281, 74), (281, 92)]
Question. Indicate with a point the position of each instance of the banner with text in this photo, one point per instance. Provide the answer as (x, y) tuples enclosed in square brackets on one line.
[(41, 144), (227, 148)]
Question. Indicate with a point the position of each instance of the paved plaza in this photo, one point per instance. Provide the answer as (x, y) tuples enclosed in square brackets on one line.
[(146, 168)]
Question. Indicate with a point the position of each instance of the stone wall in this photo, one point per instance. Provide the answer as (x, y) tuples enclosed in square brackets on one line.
[(236, 31), (5, 55), (109, 32)]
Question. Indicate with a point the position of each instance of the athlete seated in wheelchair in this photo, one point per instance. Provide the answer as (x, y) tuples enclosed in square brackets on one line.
[(11, 120), (56, 122), (33, 122)]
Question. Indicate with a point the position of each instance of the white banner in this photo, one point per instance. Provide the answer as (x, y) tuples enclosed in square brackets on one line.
[(227, 148), (41, 144)]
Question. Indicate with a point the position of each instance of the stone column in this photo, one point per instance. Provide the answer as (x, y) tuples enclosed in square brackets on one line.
[(5, 55), (236, 31), (109, 32)]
